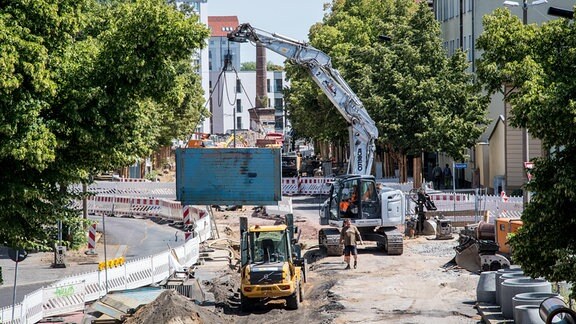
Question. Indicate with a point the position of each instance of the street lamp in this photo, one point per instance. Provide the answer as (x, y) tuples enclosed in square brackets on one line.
[(558, 12)]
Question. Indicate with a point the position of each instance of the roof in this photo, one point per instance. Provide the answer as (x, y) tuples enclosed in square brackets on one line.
[(494, 125), (222, 25)]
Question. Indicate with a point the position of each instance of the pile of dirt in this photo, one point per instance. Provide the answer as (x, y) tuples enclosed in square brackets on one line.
[(172, 308)]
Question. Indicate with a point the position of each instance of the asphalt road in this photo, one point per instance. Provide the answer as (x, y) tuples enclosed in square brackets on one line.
[(131, 238)]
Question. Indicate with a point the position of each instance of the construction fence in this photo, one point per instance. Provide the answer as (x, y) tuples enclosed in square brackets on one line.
[(126, 196), (70, 294)]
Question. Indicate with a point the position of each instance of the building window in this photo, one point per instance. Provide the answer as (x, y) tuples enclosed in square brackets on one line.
[(278, 103), (238, 86), (278, 85), (279, 122), (268, 86), (238, 122), (238, 105)]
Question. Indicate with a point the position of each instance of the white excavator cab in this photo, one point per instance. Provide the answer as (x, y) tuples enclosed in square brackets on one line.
[(353, 197)]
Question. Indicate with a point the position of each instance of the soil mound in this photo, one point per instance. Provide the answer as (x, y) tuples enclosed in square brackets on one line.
[(172, 308)]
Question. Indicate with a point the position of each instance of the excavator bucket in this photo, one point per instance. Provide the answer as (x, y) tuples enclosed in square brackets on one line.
[(467, 256)]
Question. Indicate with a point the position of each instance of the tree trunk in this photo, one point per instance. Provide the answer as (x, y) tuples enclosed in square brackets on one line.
[(403, 168), (417, 172)]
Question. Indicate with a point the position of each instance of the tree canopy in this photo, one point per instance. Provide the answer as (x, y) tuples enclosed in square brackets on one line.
[(538, 63), (251, 66), (420, 99), (86, 86)]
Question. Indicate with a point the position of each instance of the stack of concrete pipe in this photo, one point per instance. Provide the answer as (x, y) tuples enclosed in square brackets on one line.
[(527, 314), (486, 288), (524, 299), (526, 306), (502, 275), (511, 287)]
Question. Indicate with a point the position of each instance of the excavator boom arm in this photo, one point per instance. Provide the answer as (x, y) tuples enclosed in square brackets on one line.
[(362, 129)]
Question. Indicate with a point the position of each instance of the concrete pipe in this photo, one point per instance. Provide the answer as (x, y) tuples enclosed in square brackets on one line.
[(527, 314), (486, 288), (512, 287), (554, 310), (498, 279), (533, 299)]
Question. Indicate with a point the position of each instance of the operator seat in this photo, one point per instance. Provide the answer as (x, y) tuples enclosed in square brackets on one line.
[(268, 249)]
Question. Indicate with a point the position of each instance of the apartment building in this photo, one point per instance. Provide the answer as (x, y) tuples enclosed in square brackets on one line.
[(498, 157), (233, 91)]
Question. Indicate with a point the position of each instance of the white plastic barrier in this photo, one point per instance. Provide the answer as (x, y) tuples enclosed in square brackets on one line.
[(63, 299), (160, 190), (135, 207), (34, 301), (290, 186), (314, 186), (138, 273), (19, 314), (70, 294)]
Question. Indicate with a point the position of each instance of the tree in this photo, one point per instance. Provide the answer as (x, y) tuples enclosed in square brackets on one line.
[(86, 86), (538, 64), (248, 66), (420, 99), (251, 66)]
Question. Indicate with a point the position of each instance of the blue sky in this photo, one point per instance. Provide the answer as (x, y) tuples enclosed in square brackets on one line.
[(291, 18)]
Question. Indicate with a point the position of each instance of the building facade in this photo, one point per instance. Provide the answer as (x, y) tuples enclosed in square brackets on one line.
[(500, 167), (233, 91)]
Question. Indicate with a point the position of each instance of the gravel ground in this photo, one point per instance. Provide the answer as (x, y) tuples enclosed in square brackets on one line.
[(420, 286)]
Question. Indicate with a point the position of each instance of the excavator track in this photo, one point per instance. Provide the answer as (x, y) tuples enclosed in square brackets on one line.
[(329, 239), (394, 244)]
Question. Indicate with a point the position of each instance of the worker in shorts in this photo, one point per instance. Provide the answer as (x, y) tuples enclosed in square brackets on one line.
[(349, 236)]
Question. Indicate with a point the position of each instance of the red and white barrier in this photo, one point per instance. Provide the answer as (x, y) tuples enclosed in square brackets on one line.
[(449, 197), (314, 186), (186, 215), (290, 186), (133, 180), (187, 236), (91, 239)]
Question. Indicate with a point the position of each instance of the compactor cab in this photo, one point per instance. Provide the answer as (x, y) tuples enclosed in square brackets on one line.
[(272, 267)]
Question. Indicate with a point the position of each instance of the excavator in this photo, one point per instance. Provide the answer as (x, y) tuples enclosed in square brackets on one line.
[(375, 211)]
